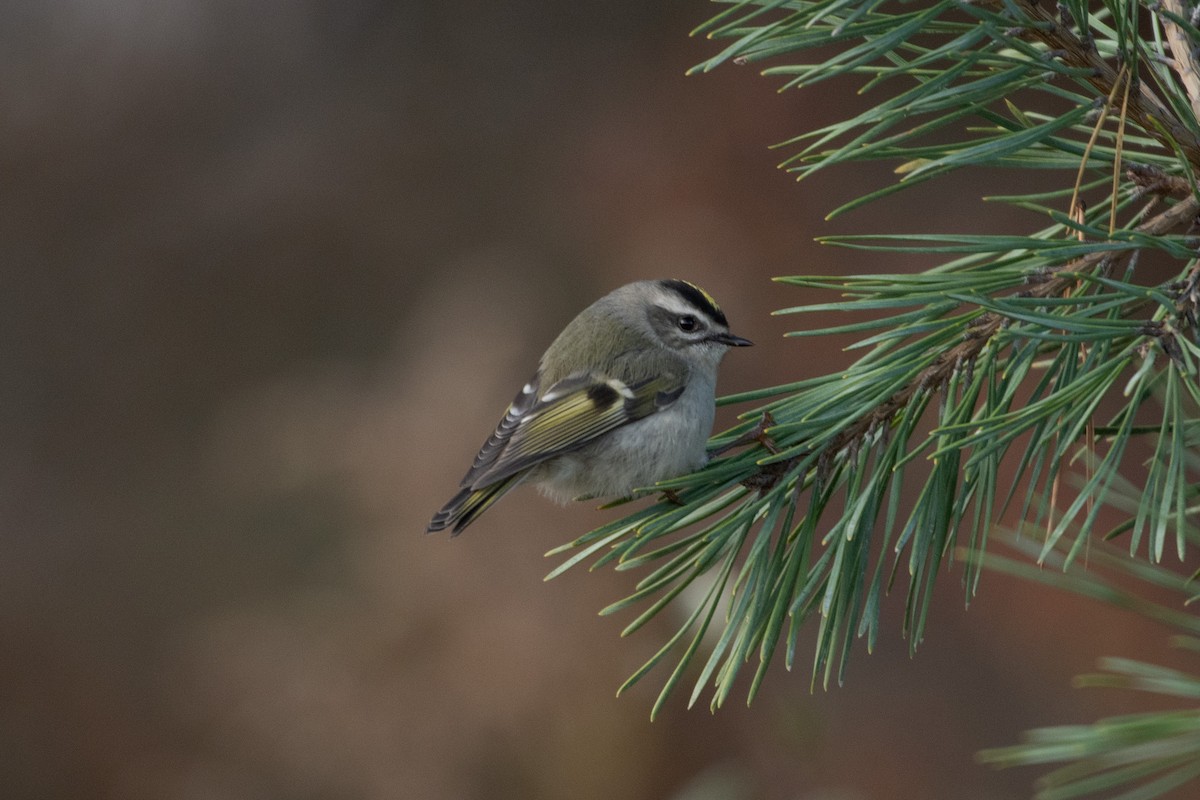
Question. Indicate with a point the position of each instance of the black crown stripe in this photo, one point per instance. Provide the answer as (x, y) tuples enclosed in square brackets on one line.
[(697, 297)]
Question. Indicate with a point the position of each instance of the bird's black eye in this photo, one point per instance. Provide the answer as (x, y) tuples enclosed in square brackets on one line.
[(687, 323)]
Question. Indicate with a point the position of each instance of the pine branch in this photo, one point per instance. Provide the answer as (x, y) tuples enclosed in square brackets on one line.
[(934, 378), (1144, 108), (1013, 345), (1143, 754)]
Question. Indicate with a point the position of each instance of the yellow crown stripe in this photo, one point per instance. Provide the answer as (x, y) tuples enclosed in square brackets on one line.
[(712, 300)]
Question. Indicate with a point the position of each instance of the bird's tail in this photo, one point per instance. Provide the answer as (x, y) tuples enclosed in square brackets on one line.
[(468, 504)]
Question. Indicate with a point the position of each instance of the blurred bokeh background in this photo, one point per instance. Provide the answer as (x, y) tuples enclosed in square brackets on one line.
[(270, 273)]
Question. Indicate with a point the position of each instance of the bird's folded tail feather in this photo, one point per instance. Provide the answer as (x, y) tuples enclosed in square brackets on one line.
[(468, 504)]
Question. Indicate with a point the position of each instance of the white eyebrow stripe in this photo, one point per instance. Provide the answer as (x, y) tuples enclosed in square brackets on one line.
[(681, 307)]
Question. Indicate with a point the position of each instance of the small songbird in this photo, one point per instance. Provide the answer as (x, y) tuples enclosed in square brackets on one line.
[(623, 398)]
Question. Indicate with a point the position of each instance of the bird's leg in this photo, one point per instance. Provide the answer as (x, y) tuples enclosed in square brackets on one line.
[(671, 496), (768, 474), (756, 434), (761, 435)]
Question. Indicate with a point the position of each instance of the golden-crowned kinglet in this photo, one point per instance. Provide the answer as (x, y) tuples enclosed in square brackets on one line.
[(624, 397)]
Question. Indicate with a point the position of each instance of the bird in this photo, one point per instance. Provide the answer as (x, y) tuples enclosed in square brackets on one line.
[(624, 397)]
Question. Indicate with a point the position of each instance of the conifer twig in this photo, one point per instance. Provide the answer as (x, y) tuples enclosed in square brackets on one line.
[(1144, 108), (1183, 52), (936, 375)]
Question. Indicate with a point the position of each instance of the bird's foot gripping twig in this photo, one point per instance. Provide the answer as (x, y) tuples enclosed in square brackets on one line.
[(767, 475), (756, 434), (671, 496)]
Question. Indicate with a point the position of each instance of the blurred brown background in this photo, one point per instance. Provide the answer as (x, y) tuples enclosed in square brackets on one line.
[(270, 274)]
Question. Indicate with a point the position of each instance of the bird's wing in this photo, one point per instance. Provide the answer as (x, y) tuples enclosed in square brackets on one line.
[(570, 414)]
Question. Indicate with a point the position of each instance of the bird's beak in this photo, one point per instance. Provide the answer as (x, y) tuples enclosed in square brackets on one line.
[(729, 340)]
